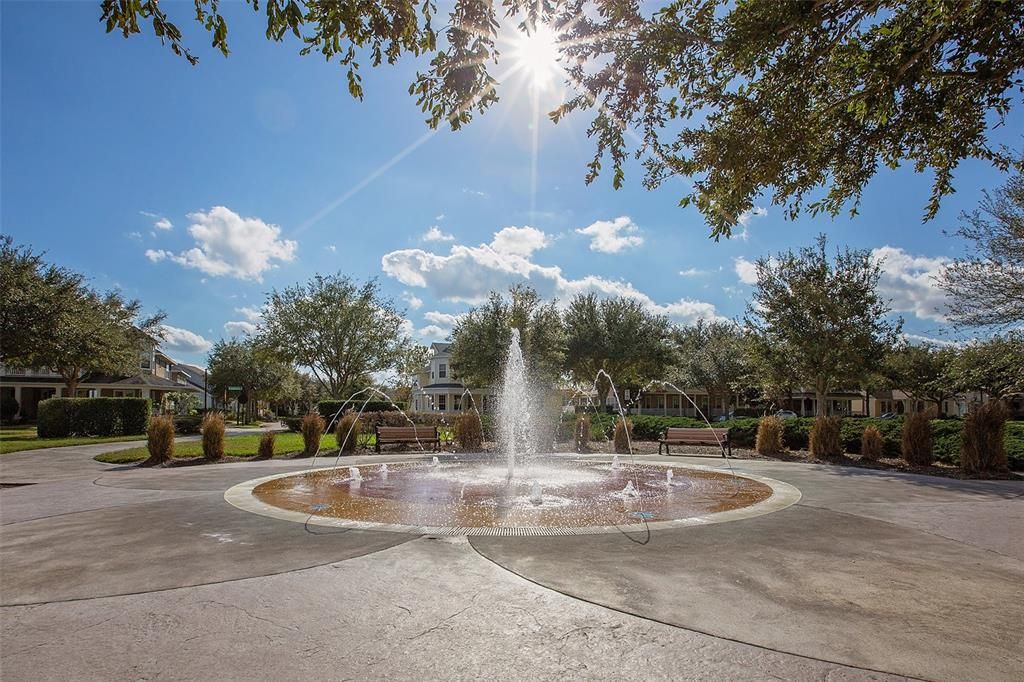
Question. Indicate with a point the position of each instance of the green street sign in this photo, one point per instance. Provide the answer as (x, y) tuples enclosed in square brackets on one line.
[(234, 388)]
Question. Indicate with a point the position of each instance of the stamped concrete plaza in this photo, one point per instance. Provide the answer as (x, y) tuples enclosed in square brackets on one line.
[(115, 572)]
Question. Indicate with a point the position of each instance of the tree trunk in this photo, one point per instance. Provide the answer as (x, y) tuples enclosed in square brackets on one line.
[(820, 407)]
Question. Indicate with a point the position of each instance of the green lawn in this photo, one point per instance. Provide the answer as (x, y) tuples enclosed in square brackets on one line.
[(234, 446), (20, 438)]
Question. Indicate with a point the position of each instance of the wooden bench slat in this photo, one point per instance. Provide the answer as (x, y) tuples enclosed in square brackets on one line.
[(695, 436)]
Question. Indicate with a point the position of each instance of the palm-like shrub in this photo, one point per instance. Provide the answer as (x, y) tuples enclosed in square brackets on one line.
[(469, 432), (623, 436), (160, 440), (916, 441), (769, 435), (312, 429), (266, 449), (346, 434), (983, 450), (581, 435), (872, 445), (825, 441), (213, 435)]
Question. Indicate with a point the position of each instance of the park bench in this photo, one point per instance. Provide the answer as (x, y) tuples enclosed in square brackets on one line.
[(701, 436), (415, 435)]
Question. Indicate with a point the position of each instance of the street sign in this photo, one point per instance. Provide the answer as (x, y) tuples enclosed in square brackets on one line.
[(234, 388)]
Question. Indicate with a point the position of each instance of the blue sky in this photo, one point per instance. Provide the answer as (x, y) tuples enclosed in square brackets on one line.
[(197, 189)]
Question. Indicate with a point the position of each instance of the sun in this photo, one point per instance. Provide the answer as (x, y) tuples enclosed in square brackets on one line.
[(536, 53)]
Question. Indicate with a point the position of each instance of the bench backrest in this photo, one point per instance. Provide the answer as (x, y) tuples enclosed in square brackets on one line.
[(696, 434), (406, 432)]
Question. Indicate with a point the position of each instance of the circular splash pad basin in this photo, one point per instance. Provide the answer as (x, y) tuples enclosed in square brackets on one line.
[(565, 496)]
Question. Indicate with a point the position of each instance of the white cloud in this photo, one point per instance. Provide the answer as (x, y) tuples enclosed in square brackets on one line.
[(439, 217), (692, 272), (159, 222), (746, 270), (332, 248), (468, 274), (911, 282), (251, 313), (229, 245), (432, 332), (746, 217), (183, 340), (442, 319), (519, 241), (239, 328), (434, 234), (466, 190), (920, 339), (135, 236), (414, 301), (612, 236)]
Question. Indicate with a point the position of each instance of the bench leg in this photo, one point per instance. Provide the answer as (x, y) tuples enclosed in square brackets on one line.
[(659, 447)]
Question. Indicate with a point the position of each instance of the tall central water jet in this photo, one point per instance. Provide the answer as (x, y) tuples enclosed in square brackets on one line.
[(514, 422)]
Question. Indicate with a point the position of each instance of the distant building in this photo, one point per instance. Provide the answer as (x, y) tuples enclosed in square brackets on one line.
[(439, 390), (158, 375)]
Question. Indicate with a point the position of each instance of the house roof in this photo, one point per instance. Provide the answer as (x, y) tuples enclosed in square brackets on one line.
[(193, 374)]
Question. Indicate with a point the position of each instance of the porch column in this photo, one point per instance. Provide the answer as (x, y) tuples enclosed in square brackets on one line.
[(17, 398)]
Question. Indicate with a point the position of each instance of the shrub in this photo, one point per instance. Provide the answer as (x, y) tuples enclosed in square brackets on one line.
[(62, 417), (312, 429), (872, 445), (294, 424), (581, 435), (8, 408), (824, 439), (769, 435), (346, 434), (189, 425), (916, 441), (329, 408), (984, 440), (213, 436), (469, 430), (623, 435), (160, 441), (266, 449)]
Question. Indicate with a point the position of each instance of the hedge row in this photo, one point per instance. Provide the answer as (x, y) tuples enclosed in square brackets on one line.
[(329, 408), (393, 418), (946, 433), (62, 417)]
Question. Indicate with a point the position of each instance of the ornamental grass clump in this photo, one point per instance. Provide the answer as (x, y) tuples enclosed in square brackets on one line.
[(160, 441), (469, 432), (916, 441), (213, 436), (825, 441), (872, 445), (623, 436), (312, 429), (769, 435), (266, 448), (983, 449), (346, 434), (581, 435)]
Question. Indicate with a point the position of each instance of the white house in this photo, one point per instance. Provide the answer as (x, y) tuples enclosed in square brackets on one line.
[(439, 390)]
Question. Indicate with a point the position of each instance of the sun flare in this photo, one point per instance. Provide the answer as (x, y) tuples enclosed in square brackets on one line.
[(536, 53)]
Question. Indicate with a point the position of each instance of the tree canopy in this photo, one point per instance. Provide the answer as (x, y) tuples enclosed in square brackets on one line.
[(922, 372), (713, 356), (987, 287), (993, 366), (824, 315), (480, 339), (341, 330), (802, 101), (617, 335), (52, 319)]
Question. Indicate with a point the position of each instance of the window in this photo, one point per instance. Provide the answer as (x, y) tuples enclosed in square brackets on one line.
[(442, 403), (442, 371)]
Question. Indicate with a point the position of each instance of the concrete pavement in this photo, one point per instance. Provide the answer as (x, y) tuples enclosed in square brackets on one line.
[(121, 573)]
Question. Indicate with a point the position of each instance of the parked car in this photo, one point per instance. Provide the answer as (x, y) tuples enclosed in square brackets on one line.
[(786, 414), (889, 415)]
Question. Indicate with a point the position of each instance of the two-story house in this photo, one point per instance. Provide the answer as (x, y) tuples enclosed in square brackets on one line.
[(158, 375), (439, 390)]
